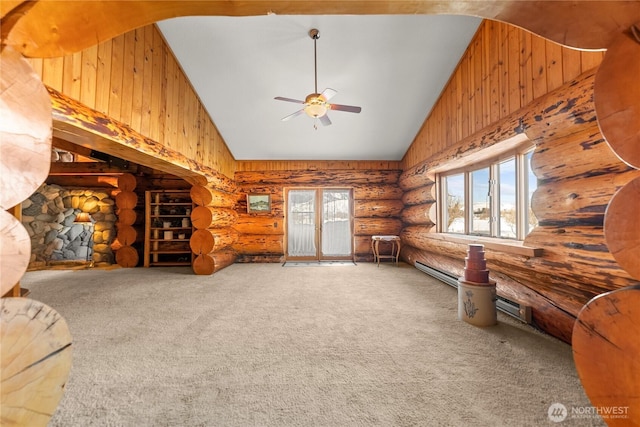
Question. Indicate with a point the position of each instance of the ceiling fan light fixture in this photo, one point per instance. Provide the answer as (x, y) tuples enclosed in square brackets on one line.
[(315, 105)]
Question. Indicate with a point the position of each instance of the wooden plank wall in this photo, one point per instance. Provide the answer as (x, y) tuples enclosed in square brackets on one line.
[(135, 79), (503, 70)]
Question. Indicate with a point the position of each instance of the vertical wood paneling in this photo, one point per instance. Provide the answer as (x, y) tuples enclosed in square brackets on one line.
[(591, 59), (147, 79), (513, 71), (103, 77), (135, 79), (526, 69), (71, 78), (465, 85), (117, 62), (494, 61), (88, 77), (476, 80), (503, 70), (138, 79), (129, 78), (571, 64), (53, 72), (157, 87), (504, 101), (554, 66), (538, 66)]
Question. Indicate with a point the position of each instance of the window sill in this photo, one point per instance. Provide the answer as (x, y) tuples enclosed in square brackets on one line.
[(502, 245)]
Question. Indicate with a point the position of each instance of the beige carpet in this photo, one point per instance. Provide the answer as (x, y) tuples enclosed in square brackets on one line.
[(266, 345)]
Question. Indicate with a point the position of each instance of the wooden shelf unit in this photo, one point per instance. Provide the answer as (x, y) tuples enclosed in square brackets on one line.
[(166, 214)]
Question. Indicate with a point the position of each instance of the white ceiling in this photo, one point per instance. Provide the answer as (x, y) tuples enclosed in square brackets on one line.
[(394, 67)]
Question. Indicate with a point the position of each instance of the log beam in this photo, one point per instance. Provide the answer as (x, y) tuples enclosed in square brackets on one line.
[(616, 94), (35, 360), (606, 344), (89, 128), (72, 26)]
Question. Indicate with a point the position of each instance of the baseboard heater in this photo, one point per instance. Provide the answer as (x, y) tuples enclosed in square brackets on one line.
[(512, 308)]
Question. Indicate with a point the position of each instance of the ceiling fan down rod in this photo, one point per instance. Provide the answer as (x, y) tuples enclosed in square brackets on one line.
[(315, 35)]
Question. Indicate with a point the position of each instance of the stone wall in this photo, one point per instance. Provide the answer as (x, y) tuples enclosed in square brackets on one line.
[(49, 215)]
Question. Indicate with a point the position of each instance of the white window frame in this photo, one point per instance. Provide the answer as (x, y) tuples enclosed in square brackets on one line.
[(517, 149)]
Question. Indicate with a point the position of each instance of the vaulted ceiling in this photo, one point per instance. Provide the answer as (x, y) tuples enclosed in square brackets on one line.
[(394, 67)]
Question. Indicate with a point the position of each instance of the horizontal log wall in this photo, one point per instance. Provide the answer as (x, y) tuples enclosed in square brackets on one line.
[(377, 203), (135, 79), (313, 165), (578, 174), (503, 70)]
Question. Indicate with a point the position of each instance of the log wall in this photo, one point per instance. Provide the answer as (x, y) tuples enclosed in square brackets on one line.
[(135, 79), (126, 202), (577, 171), (502, 71), (213, 218), (377, 204)]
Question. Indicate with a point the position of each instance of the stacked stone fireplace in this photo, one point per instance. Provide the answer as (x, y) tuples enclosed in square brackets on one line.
[(50, 217)]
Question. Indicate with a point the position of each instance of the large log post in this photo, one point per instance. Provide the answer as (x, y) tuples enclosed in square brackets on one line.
[(204, 196), (606, 335), (25, 158), (616, 93), (622, 227), (606, 344), (203, 217), (15, 252), (127, 257), (207, 264), (25, 130), (126, 202), (35, 360), (213, 239), (213, 218)]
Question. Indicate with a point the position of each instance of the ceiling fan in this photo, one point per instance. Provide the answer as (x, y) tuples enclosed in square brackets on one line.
[(316, 105)]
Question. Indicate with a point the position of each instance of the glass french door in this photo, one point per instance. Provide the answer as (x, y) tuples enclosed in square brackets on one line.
[(319, 224)]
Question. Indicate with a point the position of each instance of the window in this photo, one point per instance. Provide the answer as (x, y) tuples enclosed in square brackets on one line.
[(491, 198)]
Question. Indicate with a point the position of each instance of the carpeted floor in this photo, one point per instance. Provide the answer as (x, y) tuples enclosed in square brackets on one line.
[(263, 345)]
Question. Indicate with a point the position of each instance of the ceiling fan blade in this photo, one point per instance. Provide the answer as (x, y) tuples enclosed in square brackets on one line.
[(328, 93), (297, 101), (349, 108), (291, 116), (325, 120)]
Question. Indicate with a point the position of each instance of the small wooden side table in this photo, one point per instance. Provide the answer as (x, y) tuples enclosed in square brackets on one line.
[(395, 248)]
